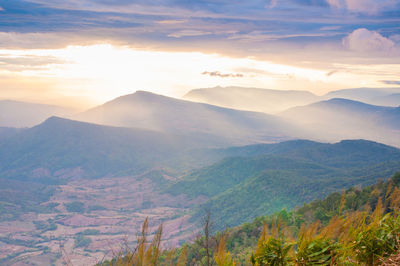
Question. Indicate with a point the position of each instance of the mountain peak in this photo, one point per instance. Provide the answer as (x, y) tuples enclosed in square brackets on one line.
[(139, 96), (347, 103), (143, 92), (56, 121)]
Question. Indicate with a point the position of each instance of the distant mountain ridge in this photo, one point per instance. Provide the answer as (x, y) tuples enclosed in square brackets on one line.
[(60, 146), (160, 113), (342, 118), (23, 114), (374, 96), (329, 120), (252, 99), (275, 101)]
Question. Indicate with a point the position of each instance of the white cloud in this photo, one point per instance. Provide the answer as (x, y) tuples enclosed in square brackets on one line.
[(364, 6), (363, 40), (1, 9)]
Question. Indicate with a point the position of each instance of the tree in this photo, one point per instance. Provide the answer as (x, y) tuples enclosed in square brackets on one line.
[(207, 232)]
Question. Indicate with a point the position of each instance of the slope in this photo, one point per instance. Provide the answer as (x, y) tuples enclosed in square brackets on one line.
[(337, 119), (241, 241), (35, 161), (61, 148), (266, 178), (375, 96), (155, 112)]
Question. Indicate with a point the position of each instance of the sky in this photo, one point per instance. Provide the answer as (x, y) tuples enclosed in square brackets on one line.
[(84, 52)]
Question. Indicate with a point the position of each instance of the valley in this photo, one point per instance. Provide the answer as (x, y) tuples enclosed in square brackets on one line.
[(199, 133), (86, 218), (77, 191), (92, 219)]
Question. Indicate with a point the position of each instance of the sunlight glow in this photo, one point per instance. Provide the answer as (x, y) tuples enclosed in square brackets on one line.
[(102, 72)]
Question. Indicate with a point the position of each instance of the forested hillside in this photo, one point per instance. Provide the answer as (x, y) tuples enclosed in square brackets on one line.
[(262, 179), (359, 226)]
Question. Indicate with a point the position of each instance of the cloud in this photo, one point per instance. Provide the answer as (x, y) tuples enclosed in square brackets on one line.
[(293, 30), (391, 82), (27, 62), (44, 39), (363, 40), (328, 28), (221, 75), (171, 21), (273, 3), (188, 33), (1, 9), (335, 3), (265, 36), (330, 73), (364, 6)]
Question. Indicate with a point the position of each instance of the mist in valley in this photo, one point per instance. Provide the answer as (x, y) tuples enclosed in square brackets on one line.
[(239, 115)]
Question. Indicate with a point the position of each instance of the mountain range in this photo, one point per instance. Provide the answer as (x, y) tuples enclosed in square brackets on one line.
[(374, 96), (185, 116), (261, 179), (147, 154), (337, 119), (164, 114), (59, 149), (275, 101), (252, 99)]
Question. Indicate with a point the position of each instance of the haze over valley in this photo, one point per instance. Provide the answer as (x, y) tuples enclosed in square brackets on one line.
[(148, 155), (251, 132)]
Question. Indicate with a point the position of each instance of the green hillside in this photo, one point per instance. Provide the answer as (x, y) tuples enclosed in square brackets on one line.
[(34, 161), (267, 178), (359, 226), (241, 241), (60, 144)]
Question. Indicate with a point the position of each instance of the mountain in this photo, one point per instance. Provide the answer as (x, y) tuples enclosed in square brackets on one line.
[(336, 209), (388, 100), (36, 162), (155, 112), (375, 96), (6, 132), (337, 119), (262, 179), (60, 148), (252, 99), (275, 101), (22, 114)]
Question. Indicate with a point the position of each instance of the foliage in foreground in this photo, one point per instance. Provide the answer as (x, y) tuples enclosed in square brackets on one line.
[(349, 233)]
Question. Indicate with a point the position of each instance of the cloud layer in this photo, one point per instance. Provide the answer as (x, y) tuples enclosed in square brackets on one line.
[(255, 27), (371, 7), (331, 43)]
